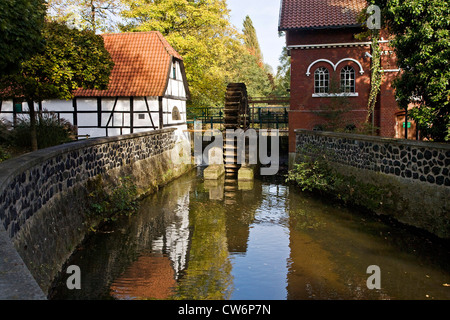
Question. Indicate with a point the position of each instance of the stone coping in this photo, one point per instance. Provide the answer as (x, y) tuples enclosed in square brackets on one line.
[(343, 135), (16, 281)]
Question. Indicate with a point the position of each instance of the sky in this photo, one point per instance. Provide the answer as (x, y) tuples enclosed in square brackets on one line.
[(264, 14)]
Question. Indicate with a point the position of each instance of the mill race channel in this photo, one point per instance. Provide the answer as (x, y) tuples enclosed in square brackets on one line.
[(257, 240)]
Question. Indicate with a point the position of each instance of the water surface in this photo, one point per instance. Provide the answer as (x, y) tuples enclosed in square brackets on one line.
[(263, 240)]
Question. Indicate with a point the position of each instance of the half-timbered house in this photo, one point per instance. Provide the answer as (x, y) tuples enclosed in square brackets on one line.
[(148, 90)]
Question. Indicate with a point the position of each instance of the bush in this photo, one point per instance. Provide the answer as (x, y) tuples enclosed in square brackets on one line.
[(106, 206), (312, 176), (49, 130), (4, 155), (5, 132), (318, 176)]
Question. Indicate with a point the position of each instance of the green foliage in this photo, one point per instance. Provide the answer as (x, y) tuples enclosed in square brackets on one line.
[(49, 131), (283, 76), (351, 191), (317, 175), (21, 22), (422, 45), (199, 31), (4, 155), (376, 75), (251, 40), (213, 50), (5, 140), (104, 205), (249, 67), (366, 128), (5, 132), (70, 60), (123, 198), (249, 71), (312, 176)]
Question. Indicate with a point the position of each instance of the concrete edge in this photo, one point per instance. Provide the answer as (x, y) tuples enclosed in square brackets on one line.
[(16, 281)]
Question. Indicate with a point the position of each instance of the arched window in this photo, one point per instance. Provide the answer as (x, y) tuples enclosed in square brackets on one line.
[(321, 80), (348, 79), (176, 114)]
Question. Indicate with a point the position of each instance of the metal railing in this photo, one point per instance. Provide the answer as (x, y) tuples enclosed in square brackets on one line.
[(259, 117)]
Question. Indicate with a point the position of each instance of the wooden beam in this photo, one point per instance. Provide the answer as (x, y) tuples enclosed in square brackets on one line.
[(161, 114)]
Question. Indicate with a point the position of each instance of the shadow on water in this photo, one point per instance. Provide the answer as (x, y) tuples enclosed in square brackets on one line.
[(262, 240)]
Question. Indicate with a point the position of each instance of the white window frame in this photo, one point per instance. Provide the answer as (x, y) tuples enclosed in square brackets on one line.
[(348, 80), (321, 81)]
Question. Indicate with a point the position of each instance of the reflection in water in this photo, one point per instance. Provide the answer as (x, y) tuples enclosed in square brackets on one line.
[(154, 275), (258, 240), (260, 272), (149, 277), (208, 276)]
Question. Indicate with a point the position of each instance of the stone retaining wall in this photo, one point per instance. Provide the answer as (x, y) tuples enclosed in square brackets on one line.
[(42, 194), (415, 174)]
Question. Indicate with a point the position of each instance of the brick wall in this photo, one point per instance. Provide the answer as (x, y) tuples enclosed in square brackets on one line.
[(304, 106)]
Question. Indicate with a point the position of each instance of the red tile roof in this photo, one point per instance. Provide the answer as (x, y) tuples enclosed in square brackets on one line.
[(315, 14), (142, 61)]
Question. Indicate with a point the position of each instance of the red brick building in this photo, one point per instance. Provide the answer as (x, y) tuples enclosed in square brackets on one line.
[(328, 62)]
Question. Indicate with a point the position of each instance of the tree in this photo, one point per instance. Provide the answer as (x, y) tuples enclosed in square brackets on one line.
[(261, 82), (95, 15), (213, 50), (21, 22), (251, 40), (200, 31), (71, 59), (283, 76), (247, 69), (422, 46)]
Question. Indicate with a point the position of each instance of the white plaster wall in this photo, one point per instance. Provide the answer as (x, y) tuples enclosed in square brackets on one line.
[(140, 108), (175, 87), (92, 132), (168, 105), (121, 117), (7, 106), (57, 105), (86, 104)]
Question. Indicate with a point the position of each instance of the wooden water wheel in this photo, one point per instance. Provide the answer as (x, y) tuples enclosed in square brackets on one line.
[(236, 113), (236, 116)]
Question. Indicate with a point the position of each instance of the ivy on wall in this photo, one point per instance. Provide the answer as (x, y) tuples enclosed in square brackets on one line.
[(376, 74)]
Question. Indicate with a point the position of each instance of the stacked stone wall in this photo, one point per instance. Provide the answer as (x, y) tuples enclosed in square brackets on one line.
[(43, 193), (416, 160), (33, 180)]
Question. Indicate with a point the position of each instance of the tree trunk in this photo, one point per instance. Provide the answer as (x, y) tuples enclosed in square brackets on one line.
[(406, 123), (40, 112), (93, 16), (33, 133)]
